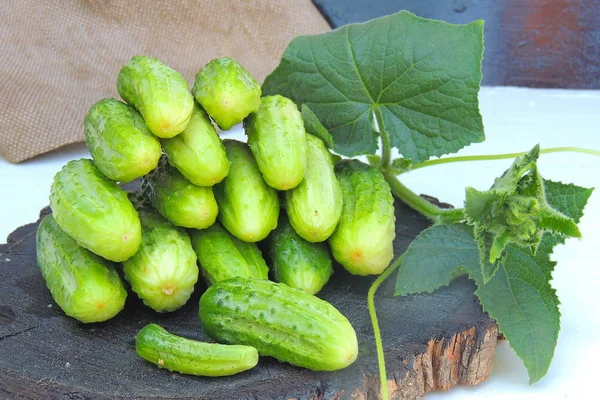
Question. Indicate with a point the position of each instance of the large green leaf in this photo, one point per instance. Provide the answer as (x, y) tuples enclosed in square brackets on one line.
[(420, 78)]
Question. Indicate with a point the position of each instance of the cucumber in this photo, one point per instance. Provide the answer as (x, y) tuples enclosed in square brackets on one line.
[(277, 139), (163, 272), (222, 256), (158, 92), (297, 262), (153, 343), (248, 207), (95, 211), (279, 321), (121, 145), (315, 205), (198, 152), (227, 92), (85, 286), (363, 239), (177, 199)]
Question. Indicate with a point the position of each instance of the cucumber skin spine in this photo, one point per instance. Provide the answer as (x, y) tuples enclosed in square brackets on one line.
[(277, 139), (95, 211), (314, 206), (222, 256), (198, 152), (158, 92), (248, 207), (296, 262), (177, 199), (163, 272), (84, 285), (122, 147), (279, 321), (154, 344), (363, 239)]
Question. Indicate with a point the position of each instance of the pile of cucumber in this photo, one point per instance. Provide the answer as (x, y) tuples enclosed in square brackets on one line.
[(234, 213)]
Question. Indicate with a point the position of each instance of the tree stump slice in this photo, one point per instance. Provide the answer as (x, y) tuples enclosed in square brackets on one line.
[(431, 341)]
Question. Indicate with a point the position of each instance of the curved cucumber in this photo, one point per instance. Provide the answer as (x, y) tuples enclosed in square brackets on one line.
[(85, 286), (158, 92), (222, 256), (277, 139), (153, 343), (163, 272), (248, 207), (95, 211), (177, 199), (198, 152), (121, 145), (363, 239), (296, 262), (279, 321), (315, 205)]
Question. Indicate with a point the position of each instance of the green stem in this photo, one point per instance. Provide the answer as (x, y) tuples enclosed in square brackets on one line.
[(501, 156), (375, 322), (419, 204), (386, 148)]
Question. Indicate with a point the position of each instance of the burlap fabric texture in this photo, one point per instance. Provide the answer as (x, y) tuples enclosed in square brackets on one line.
[(58, 57)]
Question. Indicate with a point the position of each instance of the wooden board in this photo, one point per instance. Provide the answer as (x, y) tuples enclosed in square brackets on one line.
[(431, 342)]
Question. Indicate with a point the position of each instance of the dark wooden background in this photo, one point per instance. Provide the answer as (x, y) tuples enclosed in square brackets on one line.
[(535, 43)]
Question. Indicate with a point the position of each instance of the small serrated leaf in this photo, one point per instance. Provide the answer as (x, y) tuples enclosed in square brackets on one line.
[(374, 160), (315, 127)]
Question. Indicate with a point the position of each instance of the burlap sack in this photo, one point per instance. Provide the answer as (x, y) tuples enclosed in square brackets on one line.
[(58, 57)]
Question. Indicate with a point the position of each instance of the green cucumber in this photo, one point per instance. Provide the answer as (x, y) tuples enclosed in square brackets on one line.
[(279, 321), (95, 211), (165, 350), (177, 199), (85, 286), (222, 256), (315, 205), (297, 262), (363, 239), (198, 152)]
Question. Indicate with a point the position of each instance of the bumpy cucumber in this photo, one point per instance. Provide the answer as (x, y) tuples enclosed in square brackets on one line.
[(198, 152), (179, 200), (277, 139), (222, 256), (84, 285), (95, 211), (153, 343), (248, 207), (363, 239), (315, 205), (227, 91), (279, 321), (297, 262), (163, 272), (121, 145), (159, 93)]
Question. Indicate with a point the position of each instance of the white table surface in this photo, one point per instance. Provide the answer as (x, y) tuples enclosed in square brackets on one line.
[(515, 120)]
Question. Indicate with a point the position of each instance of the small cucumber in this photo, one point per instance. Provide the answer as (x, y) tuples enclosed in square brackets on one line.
[(163, 272), (277, 139), (248, 207), (175, 353), (363, 239), (279, 321), (177, 199), (315, 205), (95, 211), (198, 152), (158, 92), (85, 286), (121, 145), (227, 92), (222, 256), (297, 262)]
